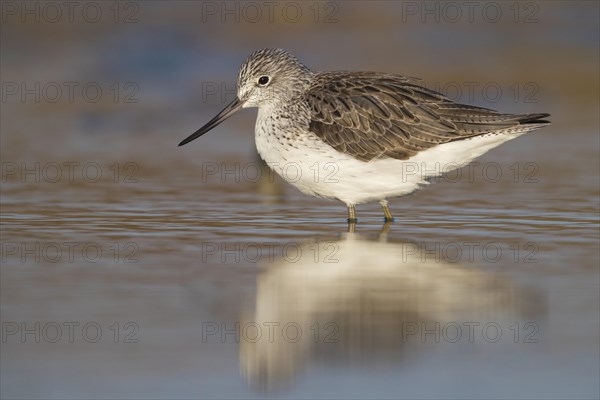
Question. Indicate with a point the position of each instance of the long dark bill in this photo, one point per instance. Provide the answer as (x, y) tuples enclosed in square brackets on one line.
[(227, 112)]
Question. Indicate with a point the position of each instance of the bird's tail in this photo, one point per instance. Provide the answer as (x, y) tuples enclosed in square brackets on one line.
[(474, 121), (530, 122)]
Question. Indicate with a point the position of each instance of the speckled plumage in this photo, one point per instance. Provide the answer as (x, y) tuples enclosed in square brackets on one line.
[(364, 127)]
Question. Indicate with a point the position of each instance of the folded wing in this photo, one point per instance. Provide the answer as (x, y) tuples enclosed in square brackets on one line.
[(370, 116)]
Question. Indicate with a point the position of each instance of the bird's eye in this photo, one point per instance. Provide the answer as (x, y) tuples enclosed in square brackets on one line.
[(263, 80)]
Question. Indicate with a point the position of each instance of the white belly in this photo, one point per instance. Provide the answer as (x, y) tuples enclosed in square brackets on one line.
[(317, 169)]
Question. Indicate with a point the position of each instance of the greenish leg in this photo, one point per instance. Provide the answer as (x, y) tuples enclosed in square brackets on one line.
[(351, 215), (386, 211)]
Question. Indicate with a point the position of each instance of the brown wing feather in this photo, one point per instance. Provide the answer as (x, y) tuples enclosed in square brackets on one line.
[(370, 115)]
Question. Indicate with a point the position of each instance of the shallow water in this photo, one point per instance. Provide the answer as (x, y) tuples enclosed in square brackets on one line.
[(134, 268), (224, 289)]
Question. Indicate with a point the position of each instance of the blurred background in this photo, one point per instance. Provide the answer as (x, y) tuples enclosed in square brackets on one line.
[(163, 250)]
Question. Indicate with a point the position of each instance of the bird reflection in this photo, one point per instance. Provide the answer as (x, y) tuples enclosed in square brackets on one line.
[(364, 301)]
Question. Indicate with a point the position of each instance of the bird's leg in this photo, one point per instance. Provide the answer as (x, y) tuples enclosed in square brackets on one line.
[(351, 227), (386, 211), (351, 214)]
